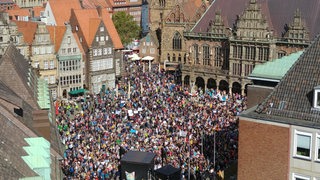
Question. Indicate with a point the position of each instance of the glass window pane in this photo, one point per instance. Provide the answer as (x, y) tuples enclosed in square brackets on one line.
[(318, 98), (318, 147), (303, 145)]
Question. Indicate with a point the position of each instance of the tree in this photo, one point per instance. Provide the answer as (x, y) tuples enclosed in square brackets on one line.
[(127, 28)]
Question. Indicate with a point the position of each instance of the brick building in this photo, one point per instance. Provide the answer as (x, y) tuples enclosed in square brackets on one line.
[(280, 137)]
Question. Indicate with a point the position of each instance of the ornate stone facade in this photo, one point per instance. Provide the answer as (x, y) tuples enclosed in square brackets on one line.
[(222, 56)]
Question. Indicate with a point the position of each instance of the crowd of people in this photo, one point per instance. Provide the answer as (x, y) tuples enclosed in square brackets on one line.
[(147, 111)]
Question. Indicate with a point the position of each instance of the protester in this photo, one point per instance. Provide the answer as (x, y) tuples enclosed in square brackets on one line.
[(149, 112)]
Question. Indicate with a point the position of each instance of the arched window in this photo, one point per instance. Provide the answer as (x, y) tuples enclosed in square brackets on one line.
[(176, 41), (173, 57), (168, 57), (179, 58)]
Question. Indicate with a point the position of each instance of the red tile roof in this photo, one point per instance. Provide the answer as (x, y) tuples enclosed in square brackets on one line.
[(88, 22), (62, 9), (28, 30), (56, 35)]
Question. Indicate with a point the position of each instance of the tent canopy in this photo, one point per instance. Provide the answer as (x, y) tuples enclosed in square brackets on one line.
[(167, 170), (148, 58), (77, 92), (134, 57)]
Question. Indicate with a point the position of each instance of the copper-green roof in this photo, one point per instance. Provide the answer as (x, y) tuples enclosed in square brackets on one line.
[(276, 69), (43, 94), (38, 158)]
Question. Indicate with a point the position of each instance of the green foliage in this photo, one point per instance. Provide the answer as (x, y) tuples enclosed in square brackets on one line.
[(127, 28)]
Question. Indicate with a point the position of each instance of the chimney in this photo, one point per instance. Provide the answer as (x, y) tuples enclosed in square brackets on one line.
[(99, 9)]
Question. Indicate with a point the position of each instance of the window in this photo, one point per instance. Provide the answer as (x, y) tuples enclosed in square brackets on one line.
[(45, 65), (302, 144), (63, 51), (176, 41), (217, 56), (299, 177), (152, 51), (281, 54), (69, 39), (99, 52), (101, 29), (107, 38), (105, 51), (77, 28), (101, 38), (46, 79), (206, 55), (95, 52), (51, 64), (316, 97), (74, 50), (97, 38), (318, 147), (52, 79), (144, 50), (109, 50), (69, 50), (196, 54)]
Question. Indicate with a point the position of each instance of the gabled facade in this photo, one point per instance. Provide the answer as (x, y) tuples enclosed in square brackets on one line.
[(225, 45), (149, 46), (43, 57), (178, 20), (9, 34), (101, 44), (70, 75)]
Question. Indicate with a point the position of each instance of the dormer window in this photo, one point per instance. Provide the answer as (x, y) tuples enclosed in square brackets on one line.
[(316, 97)]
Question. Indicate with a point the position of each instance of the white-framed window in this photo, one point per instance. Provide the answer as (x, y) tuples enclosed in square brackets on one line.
[(316, 97), (69, 39), (49, 50), (101, 38), (36, 64), (52, 79), (302, 144), (51, 64), (46, 79), (105, 51), (109, 50), (107, 38), (101, 29), (95, 52), (99, 52), (42, 50), (299, 177), (74, 50), (63, 51), (317, 150), (45, 64), (97, 38), (152, 51)]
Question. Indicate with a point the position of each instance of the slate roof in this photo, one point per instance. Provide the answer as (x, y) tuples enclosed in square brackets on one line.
[(62, 9), (28, 30), (14, 62), (276, 13), (90, 18), (56, 35), (292, 99)]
